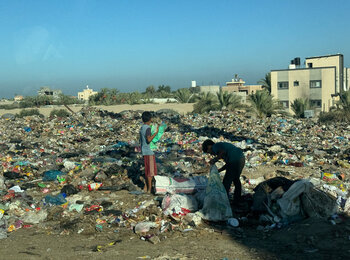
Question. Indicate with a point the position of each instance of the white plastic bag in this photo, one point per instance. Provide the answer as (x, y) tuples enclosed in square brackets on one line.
[(290, 201), (144, 227), (216, 206), (177, 202)]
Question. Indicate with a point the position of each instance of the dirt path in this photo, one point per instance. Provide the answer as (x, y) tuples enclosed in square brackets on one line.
[(181, 108)]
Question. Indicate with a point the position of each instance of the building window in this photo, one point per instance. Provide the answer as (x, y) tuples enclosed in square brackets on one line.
[(296, 83), (283, 85), (284, 104), (316, 103), (309, 65), (315, 84)]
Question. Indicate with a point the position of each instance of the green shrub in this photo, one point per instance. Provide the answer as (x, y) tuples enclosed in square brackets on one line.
[(59, 113), (29, 112), (334, 116), (9, 106)]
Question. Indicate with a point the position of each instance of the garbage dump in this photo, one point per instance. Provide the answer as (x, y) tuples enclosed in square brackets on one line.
[(71, 175)]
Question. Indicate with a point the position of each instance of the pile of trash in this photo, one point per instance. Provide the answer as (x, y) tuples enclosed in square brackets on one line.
[(64, 174)]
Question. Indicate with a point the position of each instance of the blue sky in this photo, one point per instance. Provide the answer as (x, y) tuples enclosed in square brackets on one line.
[(132, 44)]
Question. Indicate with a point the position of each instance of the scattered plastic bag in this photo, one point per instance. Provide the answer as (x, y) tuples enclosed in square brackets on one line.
[(179, 204), (33, 217), (52, 175), (144, 227)]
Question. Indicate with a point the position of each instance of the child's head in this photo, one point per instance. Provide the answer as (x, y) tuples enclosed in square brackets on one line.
[(146, 116), (207, 146)]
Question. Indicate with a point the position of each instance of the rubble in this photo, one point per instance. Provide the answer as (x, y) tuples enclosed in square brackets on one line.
[(65, 174)]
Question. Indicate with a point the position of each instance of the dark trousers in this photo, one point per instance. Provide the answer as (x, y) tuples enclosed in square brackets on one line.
[(233, 172)]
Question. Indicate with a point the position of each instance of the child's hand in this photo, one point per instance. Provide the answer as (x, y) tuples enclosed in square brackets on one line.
[(157, 129), (213, 161)]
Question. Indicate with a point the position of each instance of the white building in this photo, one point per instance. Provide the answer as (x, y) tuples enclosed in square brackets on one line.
[(86, 94)]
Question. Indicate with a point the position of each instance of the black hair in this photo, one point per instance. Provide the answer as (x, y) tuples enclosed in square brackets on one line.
[(205, 145), (146, 116)]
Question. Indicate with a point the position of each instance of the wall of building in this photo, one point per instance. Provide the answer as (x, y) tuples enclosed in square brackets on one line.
[(346, 79), (329, 61), (249, 89), (86, 94), (212, 89), (299, 86)]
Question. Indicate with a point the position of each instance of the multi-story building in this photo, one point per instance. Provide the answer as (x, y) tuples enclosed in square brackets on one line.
[(321, 80), (86, 94)]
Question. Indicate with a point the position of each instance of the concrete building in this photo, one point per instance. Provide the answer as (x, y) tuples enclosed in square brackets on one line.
[(205, 89), (18, 98), (86, 94), (346, 78), (46, 91), (237, 85), (321, 80)]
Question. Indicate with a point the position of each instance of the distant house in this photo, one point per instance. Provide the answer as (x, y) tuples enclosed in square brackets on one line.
[(86, 94), (237, 85), (46, 91), (18, 98)]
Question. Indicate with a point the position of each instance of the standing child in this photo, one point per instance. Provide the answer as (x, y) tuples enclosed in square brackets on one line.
[(234, 159), (146, 138)]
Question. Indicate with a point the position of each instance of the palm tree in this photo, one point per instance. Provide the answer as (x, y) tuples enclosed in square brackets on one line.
[(183, 95), (206, 103), (266, 82), (150, 91), (134, 98), (228, 100), (263, 104), (164, 88), (299, 105), (344, 101)]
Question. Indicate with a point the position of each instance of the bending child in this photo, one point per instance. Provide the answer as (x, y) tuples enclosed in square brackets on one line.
[(235, 161)]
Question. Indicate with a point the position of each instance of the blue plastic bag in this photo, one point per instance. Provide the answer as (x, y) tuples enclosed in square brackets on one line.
[(51, 175)]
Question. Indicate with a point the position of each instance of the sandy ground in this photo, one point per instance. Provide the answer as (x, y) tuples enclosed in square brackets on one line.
[(181, 108), (309, 239)]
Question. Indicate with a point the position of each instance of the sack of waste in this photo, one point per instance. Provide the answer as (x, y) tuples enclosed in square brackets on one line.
[(165, 184), (179, 204), (216, 206)]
